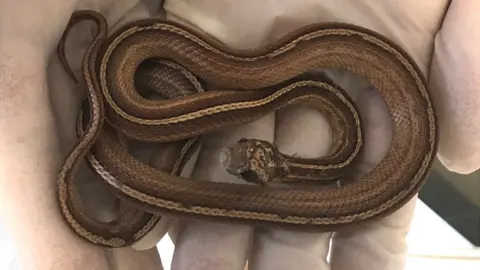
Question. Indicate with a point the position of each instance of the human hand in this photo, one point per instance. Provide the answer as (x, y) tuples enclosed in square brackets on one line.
[(378, 245), (29, 132)]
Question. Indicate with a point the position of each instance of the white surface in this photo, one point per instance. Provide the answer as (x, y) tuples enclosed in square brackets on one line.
[(433, 245), (430, 231), (7, 253)]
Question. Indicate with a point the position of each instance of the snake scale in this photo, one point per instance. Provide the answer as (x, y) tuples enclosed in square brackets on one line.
[(207, 86)]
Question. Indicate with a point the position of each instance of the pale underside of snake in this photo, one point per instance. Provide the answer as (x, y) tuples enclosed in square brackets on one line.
[(207, 86)]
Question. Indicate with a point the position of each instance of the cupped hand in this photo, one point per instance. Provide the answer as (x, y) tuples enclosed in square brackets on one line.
[(36, 129), (304, 132)]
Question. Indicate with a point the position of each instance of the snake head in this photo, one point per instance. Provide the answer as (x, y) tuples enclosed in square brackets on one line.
[(255, 161)]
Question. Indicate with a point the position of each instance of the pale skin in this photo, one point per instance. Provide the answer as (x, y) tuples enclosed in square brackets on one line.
[(38, 105)]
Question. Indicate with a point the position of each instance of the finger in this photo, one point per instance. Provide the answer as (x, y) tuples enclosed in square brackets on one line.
[(381, 244), (211, 245), (304, 132), (455, 76), (128, 258), (284, 250)]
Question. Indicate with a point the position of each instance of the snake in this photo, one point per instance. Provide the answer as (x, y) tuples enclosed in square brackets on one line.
[(231, 87)]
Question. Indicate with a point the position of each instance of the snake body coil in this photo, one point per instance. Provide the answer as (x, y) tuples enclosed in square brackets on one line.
[(242, 86)]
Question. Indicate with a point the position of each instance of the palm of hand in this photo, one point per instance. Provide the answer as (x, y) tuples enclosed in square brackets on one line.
[(205, 245), (247, 24), (304, 132)]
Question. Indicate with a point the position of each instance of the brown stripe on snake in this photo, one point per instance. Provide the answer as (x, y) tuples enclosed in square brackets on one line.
[(242, 86)]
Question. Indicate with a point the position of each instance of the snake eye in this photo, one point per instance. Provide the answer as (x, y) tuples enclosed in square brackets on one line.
[(250, 176)]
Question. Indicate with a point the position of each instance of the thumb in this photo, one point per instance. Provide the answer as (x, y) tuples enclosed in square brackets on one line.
[(455, 78)]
